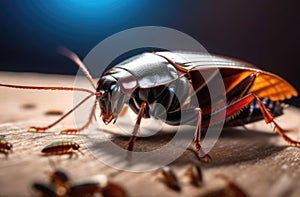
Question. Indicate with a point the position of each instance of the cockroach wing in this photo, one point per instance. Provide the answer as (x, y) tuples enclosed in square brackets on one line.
[(149, 70), (234, 71), (269, 85)]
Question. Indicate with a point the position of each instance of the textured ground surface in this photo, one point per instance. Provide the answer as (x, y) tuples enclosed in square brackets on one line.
[(256, 159)]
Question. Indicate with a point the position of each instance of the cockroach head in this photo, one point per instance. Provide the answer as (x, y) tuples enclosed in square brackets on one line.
[(111, 99), (9, 146)]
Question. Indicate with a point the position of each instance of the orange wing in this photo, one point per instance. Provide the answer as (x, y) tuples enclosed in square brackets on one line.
[(269, 85)]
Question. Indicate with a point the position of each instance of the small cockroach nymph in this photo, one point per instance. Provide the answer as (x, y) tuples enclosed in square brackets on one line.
[(5, 146), (153, 78), (229, 189), (194, 173), (53, 112), (170, 178), (61, 147)]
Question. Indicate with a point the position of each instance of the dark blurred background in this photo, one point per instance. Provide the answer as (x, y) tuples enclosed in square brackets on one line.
[(263, 32)]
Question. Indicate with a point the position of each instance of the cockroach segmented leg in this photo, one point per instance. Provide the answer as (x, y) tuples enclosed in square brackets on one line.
[(136, 128), (89, 121), (244, 101), (42, 129), (203, 157)]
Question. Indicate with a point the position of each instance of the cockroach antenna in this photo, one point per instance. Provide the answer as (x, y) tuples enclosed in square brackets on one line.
[(72, 56)]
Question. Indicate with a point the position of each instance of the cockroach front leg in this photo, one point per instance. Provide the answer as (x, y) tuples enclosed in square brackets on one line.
[(43, 129), (136, 126), (197, 137), (89, 121)]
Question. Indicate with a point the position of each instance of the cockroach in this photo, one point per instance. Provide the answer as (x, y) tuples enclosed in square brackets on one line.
[(113, 190), (194, 173), (5, 146), (229, 190), (148, 79), (53, 112), (84, 189), (170, 178), (28, 106), (61, 147)]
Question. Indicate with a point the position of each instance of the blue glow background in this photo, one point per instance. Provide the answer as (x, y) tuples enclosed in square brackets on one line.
[(264, 32)]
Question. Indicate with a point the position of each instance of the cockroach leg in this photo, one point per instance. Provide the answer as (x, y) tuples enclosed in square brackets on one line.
[(197, 137), (123, 111), (136, 127), (244, 101), (89, 121), (43, 129)]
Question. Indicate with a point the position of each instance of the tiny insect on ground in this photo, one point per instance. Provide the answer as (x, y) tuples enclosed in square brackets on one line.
[(53, 112), (61, 147), (5, 146), (153, 78), (230, 189), (170, 178), (194, 173)]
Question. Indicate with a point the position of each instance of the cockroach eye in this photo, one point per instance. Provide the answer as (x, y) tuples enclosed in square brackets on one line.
[(76, 147)]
